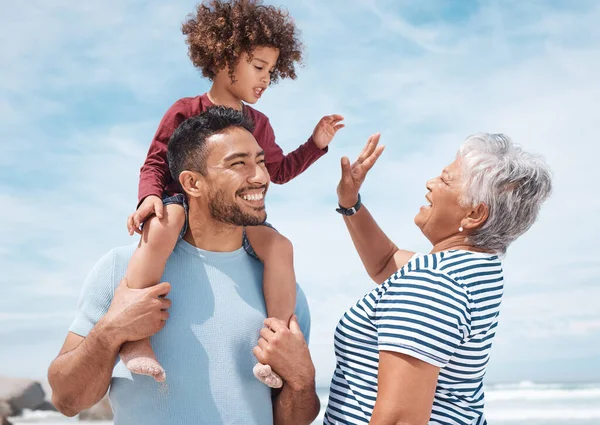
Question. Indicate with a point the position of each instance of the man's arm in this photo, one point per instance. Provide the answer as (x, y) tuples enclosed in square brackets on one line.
[(286, 351), (296, 406), (81, 374)]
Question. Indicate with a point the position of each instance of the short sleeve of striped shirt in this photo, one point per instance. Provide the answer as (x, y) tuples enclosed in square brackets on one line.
[(424, 314)]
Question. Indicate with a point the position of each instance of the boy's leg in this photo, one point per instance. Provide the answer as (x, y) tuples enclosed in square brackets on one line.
[(145, 269), (279, 283)]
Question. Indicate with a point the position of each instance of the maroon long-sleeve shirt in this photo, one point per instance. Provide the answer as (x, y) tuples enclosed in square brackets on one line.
[(155, 178)]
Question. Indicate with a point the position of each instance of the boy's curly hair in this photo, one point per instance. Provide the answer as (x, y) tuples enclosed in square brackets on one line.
[(221, 30)]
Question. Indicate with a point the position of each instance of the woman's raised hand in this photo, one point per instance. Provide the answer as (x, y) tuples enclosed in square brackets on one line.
[(354, 175)]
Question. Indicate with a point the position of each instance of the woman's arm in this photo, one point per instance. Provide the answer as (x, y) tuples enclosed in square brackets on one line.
[(406, 387), (378, 253), (380, 256)]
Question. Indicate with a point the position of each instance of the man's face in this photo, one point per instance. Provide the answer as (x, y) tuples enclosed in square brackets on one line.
[(236, 178)]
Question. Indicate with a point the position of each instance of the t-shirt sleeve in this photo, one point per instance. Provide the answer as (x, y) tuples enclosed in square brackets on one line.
[(303, 313), (424, 314), (96, 295)]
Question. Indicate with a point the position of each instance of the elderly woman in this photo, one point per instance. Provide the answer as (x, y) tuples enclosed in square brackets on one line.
[(414, 350)]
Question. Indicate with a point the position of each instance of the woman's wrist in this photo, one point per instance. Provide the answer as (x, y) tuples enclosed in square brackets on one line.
[(348, 201)]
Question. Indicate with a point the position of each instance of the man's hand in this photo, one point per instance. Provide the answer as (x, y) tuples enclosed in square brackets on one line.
[(354, 175), (151, 204), (135, 314), (286, 351), (326, 129)]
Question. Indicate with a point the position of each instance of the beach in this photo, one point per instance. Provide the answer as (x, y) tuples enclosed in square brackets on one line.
[(507, 404)]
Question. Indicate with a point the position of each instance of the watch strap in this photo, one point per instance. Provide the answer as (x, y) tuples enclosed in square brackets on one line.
[(350, 211)]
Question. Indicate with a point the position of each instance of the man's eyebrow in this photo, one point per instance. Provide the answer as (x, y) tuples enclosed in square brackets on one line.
[(241, 155), (261, 60), (236, 156)]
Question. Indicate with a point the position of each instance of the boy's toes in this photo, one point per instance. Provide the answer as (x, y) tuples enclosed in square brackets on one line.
[(274, 381), (261, 371)]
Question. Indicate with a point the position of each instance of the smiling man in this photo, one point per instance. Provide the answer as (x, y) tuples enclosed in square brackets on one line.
[(206, 340)]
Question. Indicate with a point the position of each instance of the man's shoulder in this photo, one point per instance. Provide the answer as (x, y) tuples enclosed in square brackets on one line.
[(120, 254), (114, 262)]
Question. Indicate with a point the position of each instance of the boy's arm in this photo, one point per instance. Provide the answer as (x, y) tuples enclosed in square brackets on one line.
[(283, 168), (155, 174)]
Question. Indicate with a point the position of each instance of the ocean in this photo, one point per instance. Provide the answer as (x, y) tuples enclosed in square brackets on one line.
[(524, 403)]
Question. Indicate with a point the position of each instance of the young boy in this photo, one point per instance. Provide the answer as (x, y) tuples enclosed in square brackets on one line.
[(242, 46)]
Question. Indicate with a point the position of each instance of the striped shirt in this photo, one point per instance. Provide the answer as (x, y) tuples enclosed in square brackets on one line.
[(440, 308)]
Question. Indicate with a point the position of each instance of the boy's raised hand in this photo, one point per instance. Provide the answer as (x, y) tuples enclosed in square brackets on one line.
[(150, 205), (325, 130)]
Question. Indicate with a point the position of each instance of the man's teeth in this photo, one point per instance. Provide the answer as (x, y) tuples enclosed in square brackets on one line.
[(258, 91), (253, 196)]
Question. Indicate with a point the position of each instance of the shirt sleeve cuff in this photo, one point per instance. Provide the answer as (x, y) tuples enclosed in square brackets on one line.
[(147, 192), (81, 326), (315, 149), (413, 352)]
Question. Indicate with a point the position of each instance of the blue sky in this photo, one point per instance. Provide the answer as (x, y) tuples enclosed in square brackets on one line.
[(84, 85)]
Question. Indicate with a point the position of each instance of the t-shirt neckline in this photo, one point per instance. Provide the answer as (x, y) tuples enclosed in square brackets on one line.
[(209, 255)]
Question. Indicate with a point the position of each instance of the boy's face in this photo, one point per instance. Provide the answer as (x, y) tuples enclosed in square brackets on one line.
[(252, 78)]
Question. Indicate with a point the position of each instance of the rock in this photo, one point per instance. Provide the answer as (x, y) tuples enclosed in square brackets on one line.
[(21, 393), (99, 412), (5, 409), (47, 390), (46, 405)]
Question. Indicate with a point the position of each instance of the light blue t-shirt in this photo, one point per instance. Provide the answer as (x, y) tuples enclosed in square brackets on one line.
[(206, 346)]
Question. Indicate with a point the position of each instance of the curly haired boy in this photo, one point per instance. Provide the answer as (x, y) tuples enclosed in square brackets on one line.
[(242, 46)]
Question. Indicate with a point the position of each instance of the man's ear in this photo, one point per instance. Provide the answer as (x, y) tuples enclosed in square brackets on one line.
[(476, 218), (192, 183)]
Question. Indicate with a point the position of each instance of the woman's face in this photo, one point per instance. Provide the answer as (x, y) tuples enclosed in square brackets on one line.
[(442, 215)]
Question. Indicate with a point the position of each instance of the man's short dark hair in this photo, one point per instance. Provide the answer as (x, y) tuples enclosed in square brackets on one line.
[(187, 148)]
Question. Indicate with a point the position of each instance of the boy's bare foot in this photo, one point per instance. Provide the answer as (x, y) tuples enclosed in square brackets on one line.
[(139, 358), (267, 376)]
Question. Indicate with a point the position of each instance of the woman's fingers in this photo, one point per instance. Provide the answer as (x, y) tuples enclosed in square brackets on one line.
[(369, 148), (372, 159), (346, 170)]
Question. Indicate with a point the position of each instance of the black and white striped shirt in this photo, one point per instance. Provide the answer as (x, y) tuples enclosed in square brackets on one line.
[(440, 308)]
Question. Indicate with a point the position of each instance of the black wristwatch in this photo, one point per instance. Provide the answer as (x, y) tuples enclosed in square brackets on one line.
[(350, 211)]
